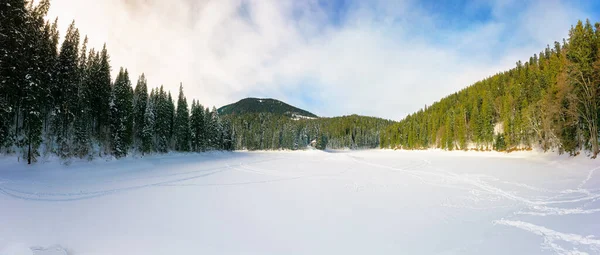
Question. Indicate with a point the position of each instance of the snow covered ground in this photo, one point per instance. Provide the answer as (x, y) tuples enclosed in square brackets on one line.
[(312, 202)]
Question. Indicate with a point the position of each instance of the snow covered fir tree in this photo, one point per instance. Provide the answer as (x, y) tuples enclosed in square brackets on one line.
[(64, 101)]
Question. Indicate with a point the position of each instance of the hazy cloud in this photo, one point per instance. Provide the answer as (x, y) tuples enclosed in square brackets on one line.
[(383, 58)]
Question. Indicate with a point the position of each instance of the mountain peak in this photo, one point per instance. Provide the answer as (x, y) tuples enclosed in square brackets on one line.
[(264, 105)]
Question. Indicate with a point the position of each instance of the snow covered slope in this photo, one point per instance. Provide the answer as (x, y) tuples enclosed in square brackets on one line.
[(311, 202)]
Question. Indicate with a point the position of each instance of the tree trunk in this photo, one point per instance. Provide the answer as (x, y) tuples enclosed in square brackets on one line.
[(29, 144)]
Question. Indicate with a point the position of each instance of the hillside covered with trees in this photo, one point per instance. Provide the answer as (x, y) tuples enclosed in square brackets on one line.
[(551, 101), (268, 131), (63, 101), (264, 105), (269, 124)]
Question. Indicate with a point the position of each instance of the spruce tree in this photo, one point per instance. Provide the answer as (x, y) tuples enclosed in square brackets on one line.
[(65, 91), (81, 139), (197, 127), (100, 97), (162, 120), (170, 108), (50, 72), (209, 129), (121, 108), (216, 130), (35, 81), (147, 132), (583, 76), (182, 125), (13, 31), (227, 136), (140, 101)]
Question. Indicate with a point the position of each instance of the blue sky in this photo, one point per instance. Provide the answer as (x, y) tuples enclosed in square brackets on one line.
[(382, 58)]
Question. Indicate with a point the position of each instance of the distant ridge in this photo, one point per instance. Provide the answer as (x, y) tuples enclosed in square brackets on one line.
[(264, 105)]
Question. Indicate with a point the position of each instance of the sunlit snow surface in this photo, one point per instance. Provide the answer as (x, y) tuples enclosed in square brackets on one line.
[(311, 202)]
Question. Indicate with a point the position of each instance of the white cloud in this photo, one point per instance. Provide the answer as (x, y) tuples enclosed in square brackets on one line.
[(387, 58)]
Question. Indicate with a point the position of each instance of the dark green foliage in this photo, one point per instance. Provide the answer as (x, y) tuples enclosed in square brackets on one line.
[(321, 142), (551, 101), (198, 127), (65, 91), (81, 139), (171, 112), (13, 38), (584, 76), (227, 138), (267, 131), (100, 96), (65, 100), (147, 134), (25, 43), (140, 101), (500, 143), (121, 109), (162, 120), (182, 123), (266, 105)]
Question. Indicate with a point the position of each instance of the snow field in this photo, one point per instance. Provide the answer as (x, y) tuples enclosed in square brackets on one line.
[(310, 202)]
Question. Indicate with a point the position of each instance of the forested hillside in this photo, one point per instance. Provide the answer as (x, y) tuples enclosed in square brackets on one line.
[(265, 105), (268, 131), (269, 124), (64, 101), (551, 101)]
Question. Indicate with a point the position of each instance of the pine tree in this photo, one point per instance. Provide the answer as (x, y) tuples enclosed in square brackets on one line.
[(50, 71), (121, 111), (100, 96), (197, 127), (486, 123), (162, 123), (140, 101), (81, 140), (181, 124), (322, 142), (228, 136), (585, 79), (460, 121), (128, 112), (216, 130), (65, 91), (170, 108), (13, 38), (210, 129), (35, 81), (147, 132)]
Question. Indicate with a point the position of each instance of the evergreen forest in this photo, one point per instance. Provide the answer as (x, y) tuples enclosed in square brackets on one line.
[(58, 98)]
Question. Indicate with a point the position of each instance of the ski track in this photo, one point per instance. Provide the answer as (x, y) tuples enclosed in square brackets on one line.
[(551, 237), (588, 178), (82, 195), (63, 197), (538, 207)]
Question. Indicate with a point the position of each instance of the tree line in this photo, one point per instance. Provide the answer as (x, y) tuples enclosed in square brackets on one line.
[(272, 131), (551, 101), (64, 101)]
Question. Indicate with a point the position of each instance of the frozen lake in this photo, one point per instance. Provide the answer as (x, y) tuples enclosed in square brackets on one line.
[(311, 202)]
